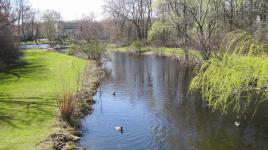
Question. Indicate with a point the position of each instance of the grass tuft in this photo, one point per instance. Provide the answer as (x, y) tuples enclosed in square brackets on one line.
[(66, 106)]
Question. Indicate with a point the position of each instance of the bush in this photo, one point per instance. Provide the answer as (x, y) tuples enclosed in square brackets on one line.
[(9, 52), (94, 49), (137, 45)]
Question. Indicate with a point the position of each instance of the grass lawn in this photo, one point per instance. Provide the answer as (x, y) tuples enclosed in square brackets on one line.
[(28, 97)]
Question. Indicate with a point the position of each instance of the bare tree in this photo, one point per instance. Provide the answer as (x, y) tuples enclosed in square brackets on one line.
[(52, 25), (195, 21), (90, 37), (90, 29), (23, 7), (137, 12)]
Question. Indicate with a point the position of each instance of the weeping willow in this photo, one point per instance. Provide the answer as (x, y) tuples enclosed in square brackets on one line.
[(237, 79)]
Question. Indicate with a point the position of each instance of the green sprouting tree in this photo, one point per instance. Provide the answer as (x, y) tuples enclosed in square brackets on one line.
[(237, 79)]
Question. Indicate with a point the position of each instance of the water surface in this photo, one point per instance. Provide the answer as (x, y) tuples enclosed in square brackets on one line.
[(34, 46), (153, 105)]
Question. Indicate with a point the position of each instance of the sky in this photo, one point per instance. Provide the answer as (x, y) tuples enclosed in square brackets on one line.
[(71, 9)]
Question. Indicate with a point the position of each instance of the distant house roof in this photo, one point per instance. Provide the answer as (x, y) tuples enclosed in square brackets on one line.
[(71, 25)]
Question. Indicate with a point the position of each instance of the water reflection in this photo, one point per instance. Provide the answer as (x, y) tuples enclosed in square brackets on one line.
[(157, 112)]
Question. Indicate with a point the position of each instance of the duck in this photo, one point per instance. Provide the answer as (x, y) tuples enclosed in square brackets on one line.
[(119, 128), (114, 93), (237, 123)]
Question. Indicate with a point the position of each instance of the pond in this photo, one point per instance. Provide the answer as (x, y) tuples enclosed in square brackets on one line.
[(58, 47), (33, 46), (153, 105)]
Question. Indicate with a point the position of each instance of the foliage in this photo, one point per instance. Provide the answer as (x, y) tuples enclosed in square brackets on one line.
[(27, 97), (237, 79), (158, 30), (9, 52), (137, 45), (94, 49), (90, 38), (241, 43)]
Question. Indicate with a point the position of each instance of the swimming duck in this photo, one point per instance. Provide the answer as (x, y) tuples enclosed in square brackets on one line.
[(113, 93), (119, 128), (237, 123)]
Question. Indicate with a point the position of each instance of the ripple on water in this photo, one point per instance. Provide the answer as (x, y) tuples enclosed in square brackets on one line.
[(156, 111)]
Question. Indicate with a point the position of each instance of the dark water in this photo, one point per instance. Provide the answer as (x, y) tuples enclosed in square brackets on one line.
[(153, 105)]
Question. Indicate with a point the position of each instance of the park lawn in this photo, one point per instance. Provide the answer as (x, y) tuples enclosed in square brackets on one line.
[(28, 109)]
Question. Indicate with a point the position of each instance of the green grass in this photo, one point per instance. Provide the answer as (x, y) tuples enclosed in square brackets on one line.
[(177, 52), (28, 109), (165, 51)]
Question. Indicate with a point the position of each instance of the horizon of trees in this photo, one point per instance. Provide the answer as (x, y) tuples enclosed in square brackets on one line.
[(188, 24), (196, 24)]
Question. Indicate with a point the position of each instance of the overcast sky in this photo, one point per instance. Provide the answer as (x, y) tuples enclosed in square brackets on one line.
[(71, 9)]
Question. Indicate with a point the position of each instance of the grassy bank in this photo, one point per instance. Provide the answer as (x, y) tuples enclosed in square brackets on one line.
[(161, 51), (28, 108)]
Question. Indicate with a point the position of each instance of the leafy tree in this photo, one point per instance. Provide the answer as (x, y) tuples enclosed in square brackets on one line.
[(237, 79)]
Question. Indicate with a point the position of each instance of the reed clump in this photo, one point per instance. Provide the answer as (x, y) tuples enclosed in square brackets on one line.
[(68, 86), (66, 106)]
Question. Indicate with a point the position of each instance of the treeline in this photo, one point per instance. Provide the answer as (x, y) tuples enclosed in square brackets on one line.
[(19, 22), (197, 24), (187, 24)]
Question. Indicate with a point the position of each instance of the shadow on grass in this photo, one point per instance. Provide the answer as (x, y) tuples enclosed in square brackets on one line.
[(23, 111), (33, 69)]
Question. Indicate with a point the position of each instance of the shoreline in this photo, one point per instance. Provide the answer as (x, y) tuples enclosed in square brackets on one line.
[(67, 136), (192, 59)]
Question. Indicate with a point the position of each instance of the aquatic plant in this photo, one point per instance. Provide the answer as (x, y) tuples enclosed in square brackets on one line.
[(236, 79)]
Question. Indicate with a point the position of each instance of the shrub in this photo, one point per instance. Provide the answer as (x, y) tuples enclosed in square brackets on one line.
[(137, 45), (94, 49), (160, 31), (9, 52)]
